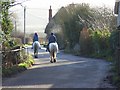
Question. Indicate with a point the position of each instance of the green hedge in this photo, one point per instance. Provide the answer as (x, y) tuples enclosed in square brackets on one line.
[(7, 72)]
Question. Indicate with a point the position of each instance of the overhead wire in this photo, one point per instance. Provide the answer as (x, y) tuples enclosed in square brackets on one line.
[(35, 16)]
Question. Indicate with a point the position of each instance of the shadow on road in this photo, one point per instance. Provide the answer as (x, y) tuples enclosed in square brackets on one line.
[(68, 72)]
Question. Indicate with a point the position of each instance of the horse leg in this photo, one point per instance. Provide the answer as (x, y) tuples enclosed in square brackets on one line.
[(34, 54), (36, 51), (54, 56), (54, 60), (51, 58)]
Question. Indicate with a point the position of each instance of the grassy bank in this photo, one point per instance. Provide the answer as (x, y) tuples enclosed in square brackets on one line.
[(7, 72)]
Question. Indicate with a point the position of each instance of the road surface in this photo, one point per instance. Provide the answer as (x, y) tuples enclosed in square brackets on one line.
[(68, 72)]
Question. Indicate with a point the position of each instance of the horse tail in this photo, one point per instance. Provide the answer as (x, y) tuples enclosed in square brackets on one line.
[(55, 48)]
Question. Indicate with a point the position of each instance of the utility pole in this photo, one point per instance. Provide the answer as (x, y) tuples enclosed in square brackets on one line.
[(24, 25), (24, 40)]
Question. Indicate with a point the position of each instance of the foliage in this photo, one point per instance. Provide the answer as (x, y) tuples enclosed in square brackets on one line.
[(97, 44), (86, 44), (74, 17), (27, 63), (6, 22), (6, 25), (1, 34), (103, 18), (8, 43), (115, 39), (7, 72), (99, 22), (100, 39)]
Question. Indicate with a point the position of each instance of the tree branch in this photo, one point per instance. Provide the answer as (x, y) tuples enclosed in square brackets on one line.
[(18, 3)]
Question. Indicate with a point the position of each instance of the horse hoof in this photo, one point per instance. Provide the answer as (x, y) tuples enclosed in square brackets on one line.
[(51, 61), (54, 60), (36, 56)]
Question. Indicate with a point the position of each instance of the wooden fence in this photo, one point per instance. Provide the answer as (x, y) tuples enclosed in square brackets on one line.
[(13, 57)]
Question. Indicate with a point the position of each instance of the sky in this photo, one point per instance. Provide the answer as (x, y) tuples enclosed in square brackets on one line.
[(58, 3), (37, 11)]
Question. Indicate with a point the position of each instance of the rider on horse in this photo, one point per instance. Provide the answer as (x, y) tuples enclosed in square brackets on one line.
[(35, 38), (52, 39)]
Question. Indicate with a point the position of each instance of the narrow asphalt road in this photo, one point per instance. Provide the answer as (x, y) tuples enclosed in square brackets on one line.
[(68, 72)]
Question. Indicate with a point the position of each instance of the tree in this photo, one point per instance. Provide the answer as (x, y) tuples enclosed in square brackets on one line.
[(6, 23), (80, 16)]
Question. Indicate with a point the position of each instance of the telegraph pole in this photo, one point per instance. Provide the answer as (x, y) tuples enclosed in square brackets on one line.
[(24, 24)]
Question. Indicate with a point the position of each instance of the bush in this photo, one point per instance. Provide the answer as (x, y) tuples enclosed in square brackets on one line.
[(7, 72), (95, 43), (28, 63)]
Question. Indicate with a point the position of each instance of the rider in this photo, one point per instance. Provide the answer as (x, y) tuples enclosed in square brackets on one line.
[(35, 38), (52, 39)]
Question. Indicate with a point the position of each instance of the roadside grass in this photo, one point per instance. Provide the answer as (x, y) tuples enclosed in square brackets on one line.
[(7, 72), (26, 45), (114, 77), (28, 63)]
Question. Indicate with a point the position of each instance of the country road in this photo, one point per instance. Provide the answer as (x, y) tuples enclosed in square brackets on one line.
[(68, 72)]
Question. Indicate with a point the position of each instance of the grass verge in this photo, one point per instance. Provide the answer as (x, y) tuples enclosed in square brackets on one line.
[(7, 72)]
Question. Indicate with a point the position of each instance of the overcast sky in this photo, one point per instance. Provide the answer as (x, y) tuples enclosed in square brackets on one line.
[(37, 11), (59, 3)]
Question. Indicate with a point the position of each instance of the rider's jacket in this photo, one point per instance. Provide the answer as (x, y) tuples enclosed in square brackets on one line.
[(35, 37), (52, 39)]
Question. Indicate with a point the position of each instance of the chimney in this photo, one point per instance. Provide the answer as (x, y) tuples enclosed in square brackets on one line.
[(50, 14)]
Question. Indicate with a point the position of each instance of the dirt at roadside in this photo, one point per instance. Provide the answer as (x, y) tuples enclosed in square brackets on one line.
[(106, 82)]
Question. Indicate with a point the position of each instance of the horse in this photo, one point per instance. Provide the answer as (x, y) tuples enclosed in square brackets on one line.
[(53, 49), (36, 47)]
